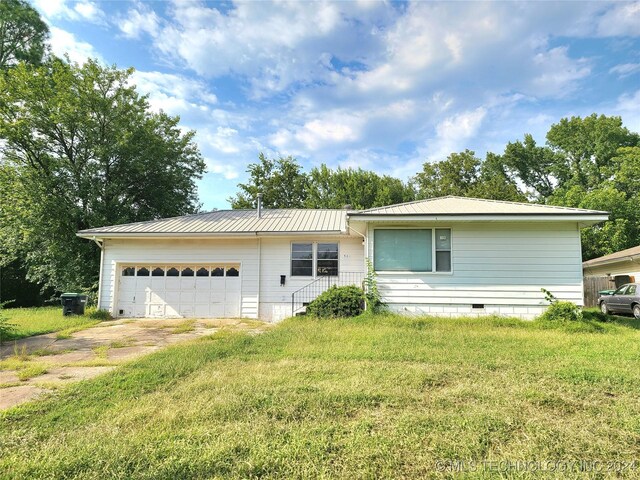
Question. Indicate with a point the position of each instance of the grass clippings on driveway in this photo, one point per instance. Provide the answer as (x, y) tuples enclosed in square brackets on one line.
[(373, 397)]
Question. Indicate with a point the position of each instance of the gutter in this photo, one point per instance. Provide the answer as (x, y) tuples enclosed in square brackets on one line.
[(629, 258), (151, 235)]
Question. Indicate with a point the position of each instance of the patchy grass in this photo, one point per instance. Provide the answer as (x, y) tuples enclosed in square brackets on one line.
[(45, 352), (122, 343), (184, 327), (371, 397), (24, 367), (37, 321), (30, 371), (101, 352)]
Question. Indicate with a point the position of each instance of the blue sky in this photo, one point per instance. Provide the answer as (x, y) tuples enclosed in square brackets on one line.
[(379, 85)]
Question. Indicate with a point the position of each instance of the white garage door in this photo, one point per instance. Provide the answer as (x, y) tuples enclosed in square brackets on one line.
[(186, 290)]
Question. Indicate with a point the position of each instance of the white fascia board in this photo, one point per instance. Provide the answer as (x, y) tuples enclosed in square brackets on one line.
[(625, 259), (583, 219), (114, 235)]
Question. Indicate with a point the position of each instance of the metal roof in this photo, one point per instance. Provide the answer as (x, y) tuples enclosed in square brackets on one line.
[(452, 205), (627, 254), (275, 221), (234, 222)]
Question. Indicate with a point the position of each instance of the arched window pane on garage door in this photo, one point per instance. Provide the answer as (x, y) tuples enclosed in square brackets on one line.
[(142, 272), (202, 272), (157, 272), (173, 272), (187, 272), (128, 271), (233, 272), (217, 271)]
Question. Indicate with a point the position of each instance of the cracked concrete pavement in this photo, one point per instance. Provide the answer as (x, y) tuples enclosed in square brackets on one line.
[(34, 366)]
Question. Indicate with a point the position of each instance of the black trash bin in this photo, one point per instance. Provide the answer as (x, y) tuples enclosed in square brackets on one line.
[(73, 303)]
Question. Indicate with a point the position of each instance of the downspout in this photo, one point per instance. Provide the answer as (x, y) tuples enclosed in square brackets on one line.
[(366, 249), (101, 247), (259, 273)]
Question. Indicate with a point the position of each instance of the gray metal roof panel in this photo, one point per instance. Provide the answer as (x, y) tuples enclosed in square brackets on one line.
[(237, 221), (452, 205)]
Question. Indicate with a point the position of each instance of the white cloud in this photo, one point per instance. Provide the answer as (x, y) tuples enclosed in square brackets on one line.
[(63, 42), (627, 108), (85, 10), (625, 69), (275, 45), (138, 20), (557, 74), (621, 20), (175, 94)]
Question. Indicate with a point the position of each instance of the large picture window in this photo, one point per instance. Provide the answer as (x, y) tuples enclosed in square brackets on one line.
[(314, 259), (412, 250)]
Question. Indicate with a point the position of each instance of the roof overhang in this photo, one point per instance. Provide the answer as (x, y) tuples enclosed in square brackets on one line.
[(166, 235), (609, 261), (582, 219)]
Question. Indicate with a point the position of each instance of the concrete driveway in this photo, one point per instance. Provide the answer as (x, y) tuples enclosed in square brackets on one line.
[(33, 366)]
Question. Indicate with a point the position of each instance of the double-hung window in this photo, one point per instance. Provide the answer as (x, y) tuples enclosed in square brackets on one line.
[(302, 259), (418, 250), (314, 259)]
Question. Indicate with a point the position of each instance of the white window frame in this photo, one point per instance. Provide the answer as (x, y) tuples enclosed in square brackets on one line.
[(314, 255), (433, 249)]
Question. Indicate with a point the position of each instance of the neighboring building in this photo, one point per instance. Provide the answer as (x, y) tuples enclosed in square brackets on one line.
[(444, 256), (618, 267), (609, 272)]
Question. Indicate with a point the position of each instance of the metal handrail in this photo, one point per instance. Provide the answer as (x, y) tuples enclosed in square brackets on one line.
[(305, 295)]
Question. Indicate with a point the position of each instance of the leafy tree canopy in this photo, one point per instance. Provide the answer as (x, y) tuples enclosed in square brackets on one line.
[(82, 149), (22, 34), (465, 175), (281, 182), (356, 187)]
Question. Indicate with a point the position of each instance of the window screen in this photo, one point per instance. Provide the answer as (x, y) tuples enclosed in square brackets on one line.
[(327, 259), (403, 250), (302, 259)]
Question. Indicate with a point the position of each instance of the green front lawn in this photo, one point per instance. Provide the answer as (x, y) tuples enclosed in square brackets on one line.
[(36, 321), (372, 397)]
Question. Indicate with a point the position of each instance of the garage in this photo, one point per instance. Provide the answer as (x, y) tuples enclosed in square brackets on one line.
[(179, 290)]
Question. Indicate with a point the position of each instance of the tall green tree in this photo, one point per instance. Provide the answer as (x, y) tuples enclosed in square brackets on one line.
[(359, 188), (465, 175), (81, 149), (23, 34), (23, 37), (281, 181), (589, 162)]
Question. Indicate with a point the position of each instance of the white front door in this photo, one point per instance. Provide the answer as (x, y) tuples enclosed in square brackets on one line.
[(184, 290)]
